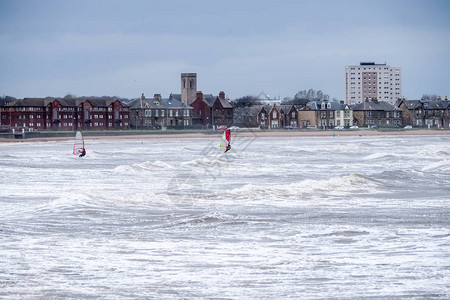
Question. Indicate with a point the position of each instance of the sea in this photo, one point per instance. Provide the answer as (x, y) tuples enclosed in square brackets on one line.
[(331, 217)]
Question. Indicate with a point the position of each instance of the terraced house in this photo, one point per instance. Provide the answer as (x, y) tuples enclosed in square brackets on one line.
[(277, 116), (326, 114), (424, 113), (212, 110), (377, 113), (65, 114), (160, 113)]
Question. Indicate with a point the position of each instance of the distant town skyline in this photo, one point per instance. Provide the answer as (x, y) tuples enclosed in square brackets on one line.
[(126, 48)]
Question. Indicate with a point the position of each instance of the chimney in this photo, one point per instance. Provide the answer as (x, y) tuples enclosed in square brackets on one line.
[(157, 97), (199, 95), (142, 98), (341, 102), (439, 98), (222, 95), (446, 98)]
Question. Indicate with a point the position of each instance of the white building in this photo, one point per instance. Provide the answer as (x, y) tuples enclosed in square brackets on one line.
[(369, 80), (268, 100)]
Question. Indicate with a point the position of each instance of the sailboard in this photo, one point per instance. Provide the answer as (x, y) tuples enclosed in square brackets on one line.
[(225, 142), (78, 145)]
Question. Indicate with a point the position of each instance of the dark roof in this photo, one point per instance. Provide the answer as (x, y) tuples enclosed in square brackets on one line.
[(101, 102), (34, 102), (155, 103), (378, 105), (427, 104), (225, 103), (209, 99), (176, 96), (174, 103), (331, 105), (66, 102)]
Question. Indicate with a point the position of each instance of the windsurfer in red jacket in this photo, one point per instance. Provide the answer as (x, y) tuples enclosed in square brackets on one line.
[(82, 152)]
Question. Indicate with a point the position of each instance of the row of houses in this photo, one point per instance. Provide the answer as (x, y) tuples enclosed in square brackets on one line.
[(329, 114), (208, 111), (64, 114)]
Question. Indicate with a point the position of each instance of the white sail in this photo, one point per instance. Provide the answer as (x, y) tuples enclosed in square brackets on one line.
[(78, 144)]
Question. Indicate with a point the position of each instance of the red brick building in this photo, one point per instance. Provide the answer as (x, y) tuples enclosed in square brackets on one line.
[(212, 111), (277, 116), (65, 114)]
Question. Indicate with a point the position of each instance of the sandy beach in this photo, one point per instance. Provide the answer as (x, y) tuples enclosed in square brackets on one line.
[(243, 133)]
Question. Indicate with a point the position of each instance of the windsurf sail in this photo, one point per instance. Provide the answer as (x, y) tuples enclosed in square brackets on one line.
[(78, 146), (225, 142)]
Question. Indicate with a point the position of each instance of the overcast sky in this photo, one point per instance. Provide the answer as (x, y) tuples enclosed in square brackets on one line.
[(125, 48)]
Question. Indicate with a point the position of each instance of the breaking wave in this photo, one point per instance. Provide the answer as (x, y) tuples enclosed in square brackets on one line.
[(145, 166), (440, 165), (338, 186)]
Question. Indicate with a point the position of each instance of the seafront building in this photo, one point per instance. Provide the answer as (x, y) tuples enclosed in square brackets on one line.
[(369, 80), (375, 90), (65, 114), (425, 113), (159, 113), (377, 113)]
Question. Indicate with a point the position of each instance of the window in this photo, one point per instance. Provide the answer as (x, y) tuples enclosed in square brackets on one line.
[(274, 115), (148, 112)]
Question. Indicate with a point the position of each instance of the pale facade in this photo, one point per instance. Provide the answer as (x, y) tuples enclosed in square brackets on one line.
[(369, 80)]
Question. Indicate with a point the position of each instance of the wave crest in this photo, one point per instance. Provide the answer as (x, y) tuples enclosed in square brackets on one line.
[(338, 186)]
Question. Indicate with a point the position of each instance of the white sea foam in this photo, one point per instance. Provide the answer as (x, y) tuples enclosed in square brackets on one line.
[(440, 165), (302, 218), (338, 186)]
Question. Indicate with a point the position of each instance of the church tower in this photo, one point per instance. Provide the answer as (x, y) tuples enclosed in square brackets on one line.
[(188, 87)]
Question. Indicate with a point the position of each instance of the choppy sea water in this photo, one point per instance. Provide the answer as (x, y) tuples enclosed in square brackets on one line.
[(275, 218)]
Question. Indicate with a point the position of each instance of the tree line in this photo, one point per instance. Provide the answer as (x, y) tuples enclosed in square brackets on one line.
[(302, 97)]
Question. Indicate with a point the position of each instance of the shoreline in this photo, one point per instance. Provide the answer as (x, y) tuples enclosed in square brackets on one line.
[(262, 134)]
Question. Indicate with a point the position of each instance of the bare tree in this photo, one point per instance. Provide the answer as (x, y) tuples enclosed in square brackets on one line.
[(246, 101), (429, 97)]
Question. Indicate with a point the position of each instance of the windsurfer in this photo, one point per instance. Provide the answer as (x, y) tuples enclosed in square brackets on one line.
[(228, 148), (82, 152)]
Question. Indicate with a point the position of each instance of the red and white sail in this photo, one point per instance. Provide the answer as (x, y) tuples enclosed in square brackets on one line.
[(226, 139)]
